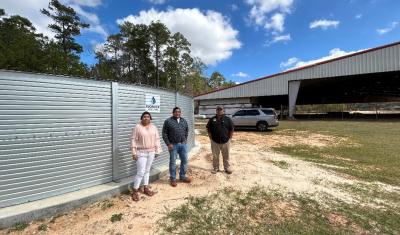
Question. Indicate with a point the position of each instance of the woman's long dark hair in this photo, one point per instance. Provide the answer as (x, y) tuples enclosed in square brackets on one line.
[(144, 113)]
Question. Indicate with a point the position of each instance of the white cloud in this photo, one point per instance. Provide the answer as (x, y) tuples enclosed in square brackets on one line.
[(392, 26), (212, 37), (282, 38), (276, 22), (97, 29), (334, 53), (260, 15), (30, 9), (234, 7), (92, 19), (289, 62), (358, 16), (279, 38), (324, 24), (87, 3), (157, 2), (240, 74), (260, 8)]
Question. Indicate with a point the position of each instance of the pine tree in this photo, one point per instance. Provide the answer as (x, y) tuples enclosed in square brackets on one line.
[(66, 26), (159, 35)]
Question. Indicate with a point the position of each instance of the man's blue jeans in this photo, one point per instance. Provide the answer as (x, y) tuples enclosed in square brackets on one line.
[(181, 150)]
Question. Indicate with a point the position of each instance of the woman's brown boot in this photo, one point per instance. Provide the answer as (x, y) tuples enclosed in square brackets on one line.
[(135, 195), (147, 191)]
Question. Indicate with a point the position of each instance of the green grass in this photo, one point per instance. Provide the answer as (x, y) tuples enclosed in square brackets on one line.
[(19, 227), (106, 204), (263, 211), (116, 217), (42, 227), (369, 193), (281, 164), (372, 153), (375, 158)]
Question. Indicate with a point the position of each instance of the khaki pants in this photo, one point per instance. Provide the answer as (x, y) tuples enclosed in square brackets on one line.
[(224, 149)]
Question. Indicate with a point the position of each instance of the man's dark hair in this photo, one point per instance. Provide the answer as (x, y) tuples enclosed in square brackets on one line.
[(176, 108), (144, 113)]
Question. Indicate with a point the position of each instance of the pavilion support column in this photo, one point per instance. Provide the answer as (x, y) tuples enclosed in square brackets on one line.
[(293, 92)]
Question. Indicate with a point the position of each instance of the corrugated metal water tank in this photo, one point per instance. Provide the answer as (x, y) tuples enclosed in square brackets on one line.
[(187, 107), (56, 133)]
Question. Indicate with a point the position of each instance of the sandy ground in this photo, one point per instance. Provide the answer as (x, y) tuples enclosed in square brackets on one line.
[(253, 163)]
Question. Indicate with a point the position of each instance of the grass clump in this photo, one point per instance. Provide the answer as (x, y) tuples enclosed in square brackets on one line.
[(19, 227), (43, 227), (116, 217), (373, 194), (106, 204), (281, 164)]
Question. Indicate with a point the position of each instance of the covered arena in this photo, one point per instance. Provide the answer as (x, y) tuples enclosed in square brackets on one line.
[(368, 76)]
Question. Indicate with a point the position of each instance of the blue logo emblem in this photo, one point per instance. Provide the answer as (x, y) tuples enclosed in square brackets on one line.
[(153, 100)]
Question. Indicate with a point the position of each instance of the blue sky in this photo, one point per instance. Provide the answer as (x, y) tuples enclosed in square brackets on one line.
[(242, 39)]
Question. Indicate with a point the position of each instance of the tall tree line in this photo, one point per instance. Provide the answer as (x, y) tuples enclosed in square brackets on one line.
[(23, 49), (149, 54), (138, 53)]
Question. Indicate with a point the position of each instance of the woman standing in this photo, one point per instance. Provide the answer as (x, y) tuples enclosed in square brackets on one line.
[(145, 143)]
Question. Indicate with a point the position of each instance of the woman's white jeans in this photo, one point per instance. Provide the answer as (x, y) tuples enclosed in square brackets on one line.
[(143, 165)]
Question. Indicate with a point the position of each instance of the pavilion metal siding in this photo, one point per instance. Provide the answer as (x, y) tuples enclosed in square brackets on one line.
[(380, 60), (57, 133), (225, 102)]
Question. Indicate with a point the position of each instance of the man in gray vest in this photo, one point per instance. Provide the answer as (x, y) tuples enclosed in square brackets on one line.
[(175, 133)]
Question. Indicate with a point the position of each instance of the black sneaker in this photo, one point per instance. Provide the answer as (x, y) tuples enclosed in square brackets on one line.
[(228, 171)]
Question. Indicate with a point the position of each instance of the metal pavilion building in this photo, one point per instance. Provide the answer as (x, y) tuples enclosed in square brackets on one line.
[(371, 75)]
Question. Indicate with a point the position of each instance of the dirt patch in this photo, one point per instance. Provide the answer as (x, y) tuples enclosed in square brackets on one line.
[(285, 209), (292, 138), (338, 220), (252, 161), (341, 221)]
